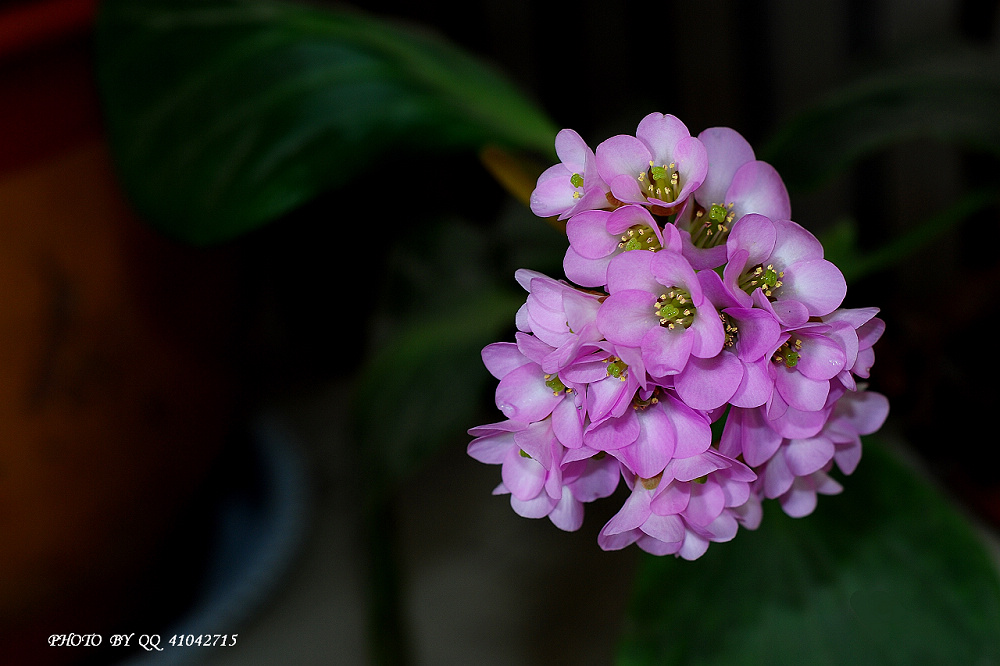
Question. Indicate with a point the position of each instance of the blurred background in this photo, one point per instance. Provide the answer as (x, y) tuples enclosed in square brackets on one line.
[(179, 450)]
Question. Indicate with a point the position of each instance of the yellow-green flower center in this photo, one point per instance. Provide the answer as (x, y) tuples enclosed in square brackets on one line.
[(639, 404), (640, 237), (616, 368), (674, 308), (710, 228), (660, 182), (788, 353), (554, 383), (652, 482), (765, 277)]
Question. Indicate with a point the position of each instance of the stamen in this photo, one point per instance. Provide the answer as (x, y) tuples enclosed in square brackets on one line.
[(673, 308), (640, 404), (713, 231), (767, 278), (786, 355), (731, 330), (640, 237), (554, 383), (660, 181), (616, 368)]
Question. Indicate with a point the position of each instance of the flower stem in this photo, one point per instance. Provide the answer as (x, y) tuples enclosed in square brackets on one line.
[(388, 639)]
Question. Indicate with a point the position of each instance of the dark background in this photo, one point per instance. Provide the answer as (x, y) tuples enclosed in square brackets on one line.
[(476, 579)]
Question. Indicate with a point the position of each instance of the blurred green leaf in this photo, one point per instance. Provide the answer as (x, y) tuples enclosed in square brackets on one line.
[(448, 291), (840, 242), (424, 387), (951, 98), (225, 114), (888, 572)]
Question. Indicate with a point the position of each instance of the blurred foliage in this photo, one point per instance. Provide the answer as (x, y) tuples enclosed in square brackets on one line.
[(840, 243), (887, 573), (449, 292), (949, 98), (223, 114)]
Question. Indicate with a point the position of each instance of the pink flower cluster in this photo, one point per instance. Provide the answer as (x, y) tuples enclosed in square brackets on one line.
[(692, 300)]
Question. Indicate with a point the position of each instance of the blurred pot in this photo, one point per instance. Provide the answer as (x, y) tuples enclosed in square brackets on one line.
[(116, 394)]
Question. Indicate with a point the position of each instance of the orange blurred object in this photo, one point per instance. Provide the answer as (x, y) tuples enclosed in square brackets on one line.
[(115, 398)]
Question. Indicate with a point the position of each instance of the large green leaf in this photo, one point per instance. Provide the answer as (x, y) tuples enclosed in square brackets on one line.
[(949, 98), (885, 573), (224, 114)]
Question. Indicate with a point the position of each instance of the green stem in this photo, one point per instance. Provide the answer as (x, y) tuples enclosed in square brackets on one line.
[(388, 639)]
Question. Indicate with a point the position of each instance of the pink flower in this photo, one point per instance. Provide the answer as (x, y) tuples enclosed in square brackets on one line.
[(658, 167), (596, 237), (535, 473), (657, 428), (656, 305), (699, 302), (736, 184), (572, 185), (680, 511), (559, 315), (782, 261)]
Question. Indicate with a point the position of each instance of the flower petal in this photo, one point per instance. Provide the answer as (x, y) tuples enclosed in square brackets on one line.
[(661, 133), (756, 387), (588, 234), (620, 160), (671, 269), (755, 234), (757, 188), (523, 476), (613, 433), (799, 391), (816, 283), (707, 502), (633, 513), (523, 396), (536, 507), (585, 272), (805, 456), (631, 271), (666, 351), (568, 513), (500, 358), (694, 433), (727, 151), (626, 316), (668, 529), (653, 448), (707, 383)]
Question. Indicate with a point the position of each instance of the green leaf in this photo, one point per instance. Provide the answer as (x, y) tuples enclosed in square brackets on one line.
[(947, 98), (840, 242), (425, 385), (224, 115), (888, 572)]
